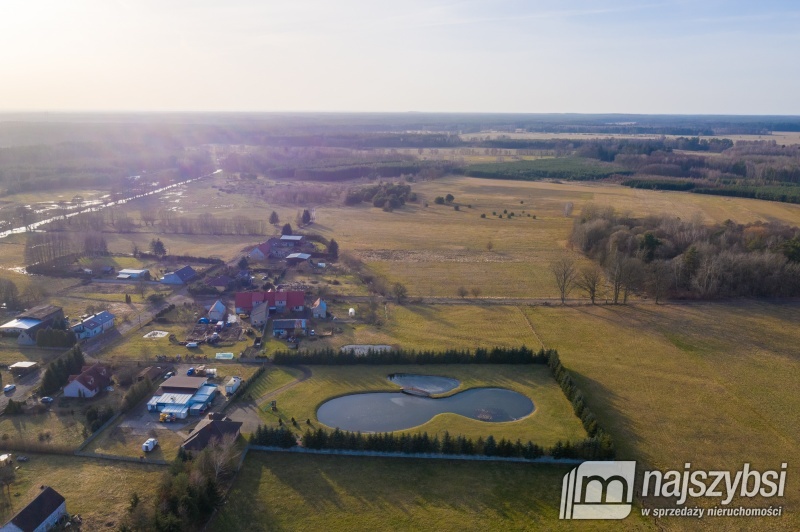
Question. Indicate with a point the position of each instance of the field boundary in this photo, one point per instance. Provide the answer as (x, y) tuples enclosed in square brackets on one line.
[(427, 456)]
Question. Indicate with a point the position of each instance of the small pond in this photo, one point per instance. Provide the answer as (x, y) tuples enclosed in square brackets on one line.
[(427, 383), (390, 411)]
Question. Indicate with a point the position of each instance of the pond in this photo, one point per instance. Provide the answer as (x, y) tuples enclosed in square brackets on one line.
[(427, 383), (390, 411)]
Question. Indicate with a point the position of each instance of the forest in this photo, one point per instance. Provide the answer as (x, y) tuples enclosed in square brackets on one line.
[(663, 256)]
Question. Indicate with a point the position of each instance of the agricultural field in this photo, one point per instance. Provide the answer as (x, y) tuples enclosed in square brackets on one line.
[(98, 490), (276, 491), (552, 419), (703, 383)]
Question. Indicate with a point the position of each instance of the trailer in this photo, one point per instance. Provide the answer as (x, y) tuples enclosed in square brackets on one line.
[(232, 385), (149, 445)]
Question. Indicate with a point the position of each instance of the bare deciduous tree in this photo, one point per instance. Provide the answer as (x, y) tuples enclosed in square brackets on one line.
[(590, 280), (475, 291), (218, 457), (565, 274), (462, 292)]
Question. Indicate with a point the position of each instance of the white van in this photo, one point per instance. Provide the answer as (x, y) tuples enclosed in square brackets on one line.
[(149, 445)]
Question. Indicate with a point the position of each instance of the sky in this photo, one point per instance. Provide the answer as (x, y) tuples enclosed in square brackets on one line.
[(553, 56)]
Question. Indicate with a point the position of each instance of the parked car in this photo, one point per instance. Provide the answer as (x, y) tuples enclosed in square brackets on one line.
[(9, 388), (46, 400), (149, 445), (312, 333), (169, 374), (22, 458), (190, 372)]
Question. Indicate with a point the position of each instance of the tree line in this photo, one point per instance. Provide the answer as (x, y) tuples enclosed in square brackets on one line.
[(57, 372), (664, 256), (334, 357)]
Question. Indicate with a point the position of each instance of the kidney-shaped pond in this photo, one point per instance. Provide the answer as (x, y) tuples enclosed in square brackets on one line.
[(390, 411)]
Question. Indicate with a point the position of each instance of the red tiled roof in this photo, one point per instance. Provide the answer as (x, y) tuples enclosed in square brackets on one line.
[(93, 378), (295, 299)]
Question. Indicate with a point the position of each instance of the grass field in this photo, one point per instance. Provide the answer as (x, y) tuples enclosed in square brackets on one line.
[(414, 326), (552, 419), (98, 490), (273, 378), (704, 383), (290, 492)]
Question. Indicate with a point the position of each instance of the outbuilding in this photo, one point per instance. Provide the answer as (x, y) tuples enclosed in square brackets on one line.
[(41, 514), (232, 385), (133, 274)]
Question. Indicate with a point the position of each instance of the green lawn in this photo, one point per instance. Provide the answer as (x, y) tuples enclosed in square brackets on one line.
[(336, 493), (552, 419)]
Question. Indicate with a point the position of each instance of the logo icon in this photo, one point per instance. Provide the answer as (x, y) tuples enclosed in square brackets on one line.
[(598, 490)]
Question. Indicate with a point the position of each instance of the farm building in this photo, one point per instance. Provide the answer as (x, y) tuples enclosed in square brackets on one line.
[(91, 381), (294, 300), (213, 426), (94, 325), (134, 274), (297, 258), (183, 396), (181, 276), (232, 385), (26, 325), (218, 311), (150, 372), (41, 514), (20, 369), (291, 240), (289, 327)]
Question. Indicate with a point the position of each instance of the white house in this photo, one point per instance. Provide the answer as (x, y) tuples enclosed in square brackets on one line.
[(218, 311), (91, 381), (41, 514), (94, 325), (319, 309)]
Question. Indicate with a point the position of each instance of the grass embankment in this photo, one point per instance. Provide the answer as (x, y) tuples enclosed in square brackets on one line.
[(290, 492), (552, 419), (98, 490)]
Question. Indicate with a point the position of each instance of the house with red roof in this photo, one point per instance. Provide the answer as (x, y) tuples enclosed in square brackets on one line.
[(91, 381)]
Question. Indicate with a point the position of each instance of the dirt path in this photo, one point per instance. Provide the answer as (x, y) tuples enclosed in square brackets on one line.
[(248, 411), (306, 373)]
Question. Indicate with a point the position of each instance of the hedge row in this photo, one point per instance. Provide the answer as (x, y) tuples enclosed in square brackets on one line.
[(497, 355)]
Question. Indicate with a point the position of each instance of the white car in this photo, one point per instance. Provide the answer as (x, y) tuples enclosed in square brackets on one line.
[(9, 388)]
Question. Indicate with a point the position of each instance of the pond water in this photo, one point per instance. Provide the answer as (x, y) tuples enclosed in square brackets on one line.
[(428, 383), (390, 411)]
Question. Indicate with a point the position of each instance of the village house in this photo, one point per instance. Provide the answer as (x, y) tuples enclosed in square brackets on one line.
[(218, 311), (94, 325), (41, 514), (91, 381), (214, 426), (293, 300), (26, 325), (221, 282), (319, 310), (182, 276)]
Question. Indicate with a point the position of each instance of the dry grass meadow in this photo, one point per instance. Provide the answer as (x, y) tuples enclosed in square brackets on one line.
[(710, 383)]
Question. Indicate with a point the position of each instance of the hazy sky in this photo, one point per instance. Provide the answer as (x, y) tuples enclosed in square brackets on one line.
[(694, 56)]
